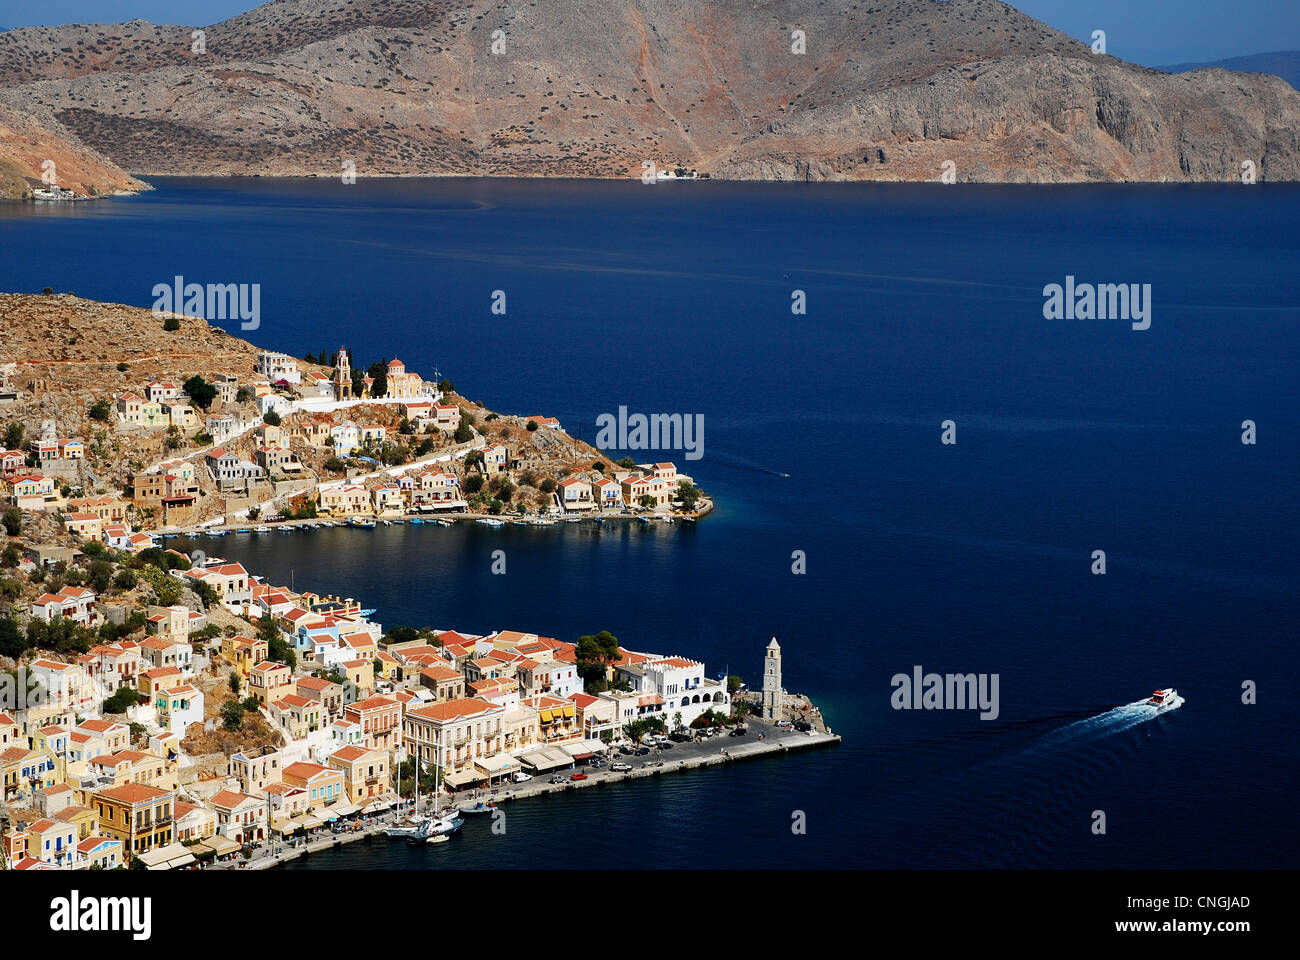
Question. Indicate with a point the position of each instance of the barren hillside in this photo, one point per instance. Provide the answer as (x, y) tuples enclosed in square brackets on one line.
[(887, 89)]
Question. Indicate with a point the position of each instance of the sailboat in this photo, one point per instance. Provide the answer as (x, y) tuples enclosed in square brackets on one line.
[(410, 829), (438, 828)]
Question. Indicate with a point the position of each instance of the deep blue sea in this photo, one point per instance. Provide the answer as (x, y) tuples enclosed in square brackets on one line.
[(822, 434)]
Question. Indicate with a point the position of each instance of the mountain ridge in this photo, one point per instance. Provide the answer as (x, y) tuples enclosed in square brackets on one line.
[(887, 90)]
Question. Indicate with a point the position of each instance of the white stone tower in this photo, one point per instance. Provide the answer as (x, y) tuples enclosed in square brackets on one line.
[(772, 682)]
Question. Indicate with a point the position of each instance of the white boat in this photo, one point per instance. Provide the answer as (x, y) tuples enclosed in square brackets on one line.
[(478, 808), (443, 826), (438, 838), (491, 522), (406, 832), (1167, 697)]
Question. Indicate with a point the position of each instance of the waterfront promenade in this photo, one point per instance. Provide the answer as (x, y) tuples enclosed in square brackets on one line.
[(718, 752)]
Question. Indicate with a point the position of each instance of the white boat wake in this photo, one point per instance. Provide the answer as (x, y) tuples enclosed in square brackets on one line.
[(1113, 721)]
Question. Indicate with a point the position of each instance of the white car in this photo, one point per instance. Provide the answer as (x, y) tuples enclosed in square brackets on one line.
[(521, 777)]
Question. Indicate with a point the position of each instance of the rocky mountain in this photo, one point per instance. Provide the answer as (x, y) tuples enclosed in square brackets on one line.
[(883, 89), (1280, 63)]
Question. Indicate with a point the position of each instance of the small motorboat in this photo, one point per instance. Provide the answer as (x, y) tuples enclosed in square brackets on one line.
[(491, 522), (417, 521), (439, 838), (478, 808), (1163, 698)]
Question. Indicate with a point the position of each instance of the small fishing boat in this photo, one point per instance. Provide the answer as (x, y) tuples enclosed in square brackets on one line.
[(417, 521), (488, 522), (477, 809), (439, 838)]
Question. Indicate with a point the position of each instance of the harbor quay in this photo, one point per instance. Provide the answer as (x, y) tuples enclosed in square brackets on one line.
[(763, 739)]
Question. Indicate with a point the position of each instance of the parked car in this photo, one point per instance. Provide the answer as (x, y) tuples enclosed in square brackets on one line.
[(644, 751), (598, 763), (558, 779), (803, 726), (738, 732), (618, 766), (579, 776), (679, 737), (521, 777), (666, 745)]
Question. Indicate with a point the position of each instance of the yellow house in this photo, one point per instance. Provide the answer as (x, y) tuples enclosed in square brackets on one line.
[(97, 852), (141, 817), (244, 652), (324, 785), (83, 819), (269, 681), (360, 673), (25, 770), (365, 772)]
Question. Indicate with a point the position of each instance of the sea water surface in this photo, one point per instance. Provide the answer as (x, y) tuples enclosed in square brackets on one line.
[(822, 435)]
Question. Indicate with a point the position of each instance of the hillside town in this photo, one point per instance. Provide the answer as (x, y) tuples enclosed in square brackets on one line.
[(160, 709), (165, 735), (171, 425)]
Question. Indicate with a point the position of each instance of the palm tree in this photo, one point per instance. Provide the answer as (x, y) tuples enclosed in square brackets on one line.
[(677, 721)]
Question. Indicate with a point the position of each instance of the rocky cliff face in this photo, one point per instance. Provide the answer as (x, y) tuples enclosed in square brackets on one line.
[(887, 89), (28, 142)]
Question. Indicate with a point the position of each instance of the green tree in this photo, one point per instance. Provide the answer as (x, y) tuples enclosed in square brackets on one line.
[(121, 701), (101, 410), (277, 647), (15, 436), (232, 715), (272, 418), (12, 519), (594, 654), (464, 433), (12, 641), (688, 494), (172, 324), (200, 391), (101, 575)]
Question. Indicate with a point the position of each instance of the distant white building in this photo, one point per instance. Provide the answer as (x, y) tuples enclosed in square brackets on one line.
[(278, 366), (682, 685)]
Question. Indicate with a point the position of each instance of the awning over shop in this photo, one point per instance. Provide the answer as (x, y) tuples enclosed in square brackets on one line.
[(543, 760), (167, 858), (343, 810), (583, 749), (498, 764), (287, 827), (221, 845), (311, 823), (462, 778)]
